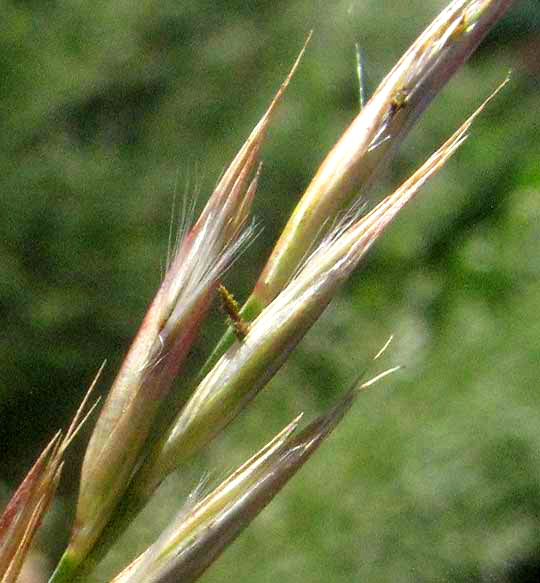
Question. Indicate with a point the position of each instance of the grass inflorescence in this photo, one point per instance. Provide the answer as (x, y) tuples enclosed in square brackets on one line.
[(132, 450)]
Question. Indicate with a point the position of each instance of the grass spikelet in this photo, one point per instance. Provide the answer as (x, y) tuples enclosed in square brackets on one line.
[(371, 140), (248, 365), (188, 527), (193, 542), (25, 511), (162, 343)]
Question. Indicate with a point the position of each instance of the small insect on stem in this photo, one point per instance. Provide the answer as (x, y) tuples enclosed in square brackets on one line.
[(231, 308), (399, 101)]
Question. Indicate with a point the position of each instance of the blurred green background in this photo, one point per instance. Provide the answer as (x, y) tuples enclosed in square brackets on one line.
[(109, 108)]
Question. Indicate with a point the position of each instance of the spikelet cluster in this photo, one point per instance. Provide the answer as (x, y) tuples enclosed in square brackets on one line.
[(328, 234)]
